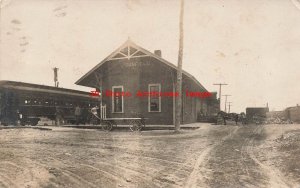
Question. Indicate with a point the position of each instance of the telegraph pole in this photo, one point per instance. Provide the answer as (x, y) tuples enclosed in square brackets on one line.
[(178, 108), (226, 101), (229, 104), (220, 90)]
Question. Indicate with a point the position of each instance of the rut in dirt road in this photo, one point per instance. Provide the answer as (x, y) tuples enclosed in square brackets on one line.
[(235, 162), (196, 178), (276, 179), (212, 156), (231, 165)]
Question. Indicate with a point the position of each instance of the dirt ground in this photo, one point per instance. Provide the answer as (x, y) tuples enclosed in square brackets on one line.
[(211, 156)]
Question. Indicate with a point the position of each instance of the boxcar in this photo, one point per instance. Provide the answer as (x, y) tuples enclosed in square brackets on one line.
[(24, 103)]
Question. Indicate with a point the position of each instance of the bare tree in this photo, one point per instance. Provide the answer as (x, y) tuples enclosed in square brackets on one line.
[(179, 70)]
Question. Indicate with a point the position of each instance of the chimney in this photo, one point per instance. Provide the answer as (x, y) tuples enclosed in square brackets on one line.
[(157, 52)]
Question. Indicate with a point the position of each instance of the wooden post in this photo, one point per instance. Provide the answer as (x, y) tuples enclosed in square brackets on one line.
[(179, 70)]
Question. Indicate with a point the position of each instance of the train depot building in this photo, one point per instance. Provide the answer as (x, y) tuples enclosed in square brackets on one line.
[(134, 82)]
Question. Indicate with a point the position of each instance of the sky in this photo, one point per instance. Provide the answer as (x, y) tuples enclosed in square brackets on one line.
[(253, 46)]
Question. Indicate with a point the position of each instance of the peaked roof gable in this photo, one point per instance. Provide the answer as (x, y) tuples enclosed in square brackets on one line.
[(127, 53), (130, 50)]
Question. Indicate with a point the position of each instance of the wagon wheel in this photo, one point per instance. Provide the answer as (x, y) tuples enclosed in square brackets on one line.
[(114, 123), (106, 126), (143, 122), (135, 125), (33, 123)]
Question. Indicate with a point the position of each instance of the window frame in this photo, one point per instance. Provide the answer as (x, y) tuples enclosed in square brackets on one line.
[(149, 97), (113, 101)]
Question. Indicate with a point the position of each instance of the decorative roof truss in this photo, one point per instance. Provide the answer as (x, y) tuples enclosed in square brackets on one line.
[(127, 53)]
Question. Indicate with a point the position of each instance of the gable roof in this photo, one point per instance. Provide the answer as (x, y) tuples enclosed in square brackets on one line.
[(118, 54)]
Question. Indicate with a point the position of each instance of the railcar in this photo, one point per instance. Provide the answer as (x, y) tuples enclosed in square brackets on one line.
[(25, 103)]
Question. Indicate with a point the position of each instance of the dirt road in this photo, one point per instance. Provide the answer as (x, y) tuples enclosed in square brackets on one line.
[(211, 156)]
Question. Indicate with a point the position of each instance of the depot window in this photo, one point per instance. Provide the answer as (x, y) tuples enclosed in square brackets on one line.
[(154, 101), (117, 99)]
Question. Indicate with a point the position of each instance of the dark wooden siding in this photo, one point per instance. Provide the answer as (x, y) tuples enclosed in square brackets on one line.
[(136, 74)]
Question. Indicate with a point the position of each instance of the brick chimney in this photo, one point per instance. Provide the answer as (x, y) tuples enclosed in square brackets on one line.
[(157, 52)]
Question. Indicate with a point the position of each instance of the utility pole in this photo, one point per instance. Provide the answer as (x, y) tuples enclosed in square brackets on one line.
[(179, 70), (55, 69), (220, 90), (226, 101), (229, 104)]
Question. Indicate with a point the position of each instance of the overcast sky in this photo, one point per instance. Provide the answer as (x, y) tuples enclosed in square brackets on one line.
[(254, 46)]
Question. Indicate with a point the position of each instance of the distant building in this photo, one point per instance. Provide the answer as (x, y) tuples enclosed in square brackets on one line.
[(133, 69), (213, 104), (293, 113), (276, 114), (258, 111), (290, 113)]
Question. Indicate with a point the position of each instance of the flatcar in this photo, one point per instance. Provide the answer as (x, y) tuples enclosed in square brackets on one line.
[(26, 103)]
